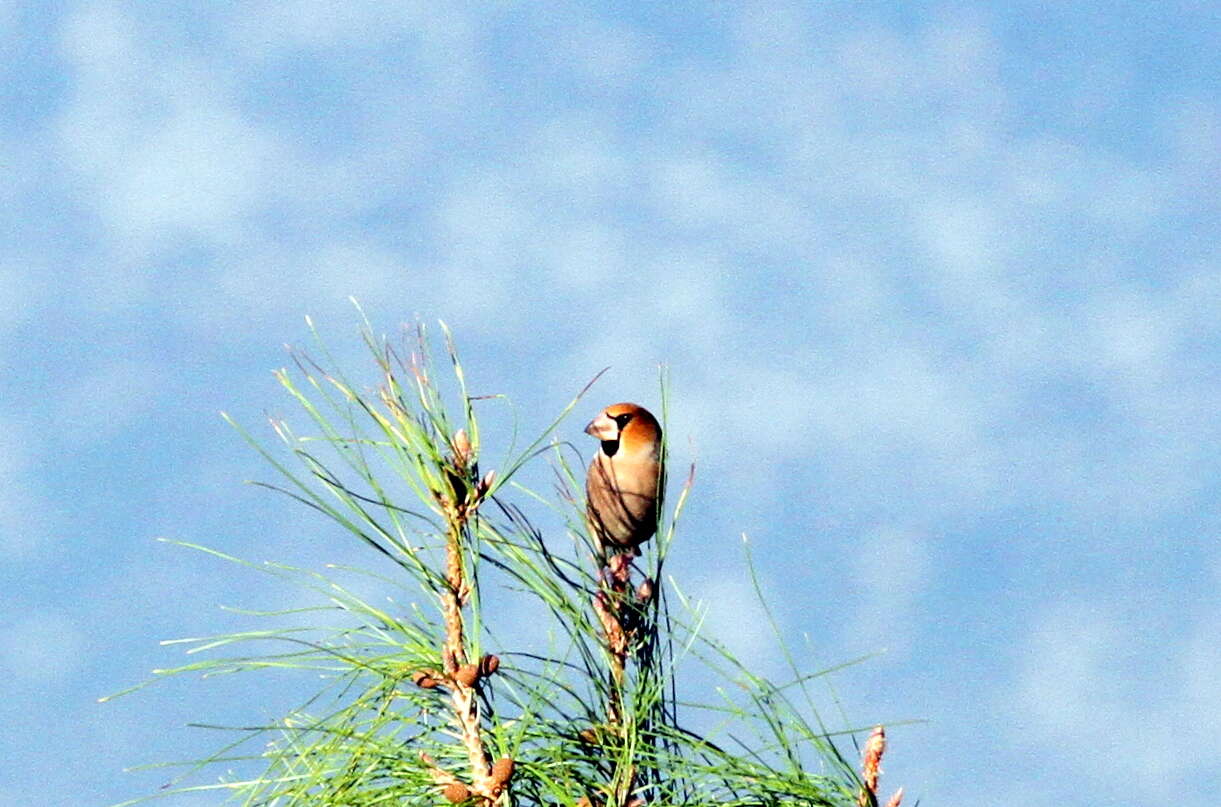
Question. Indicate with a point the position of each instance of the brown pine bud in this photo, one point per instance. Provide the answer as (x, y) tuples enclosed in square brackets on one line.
[(646, 590), (489, 664), (462, 448), (423, 680), (467, 675), (456, 793), (875, 746), (620, 567), (485, 484), (635, 801), (502, 771)]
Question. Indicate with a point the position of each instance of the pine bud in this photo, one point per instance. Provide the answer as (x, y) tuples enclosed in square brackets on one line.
[(467, 675), (423, 680), (489, 664), (502, 771), (462, 448), (456, 793)]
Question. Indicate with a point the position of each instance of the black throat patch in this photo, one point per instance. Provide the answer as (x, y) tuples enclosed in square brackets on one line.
[(610, 447)]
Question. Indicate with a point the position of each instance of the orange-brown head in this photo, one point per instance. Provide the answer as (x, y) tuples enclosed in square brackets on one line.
[(627, 430)]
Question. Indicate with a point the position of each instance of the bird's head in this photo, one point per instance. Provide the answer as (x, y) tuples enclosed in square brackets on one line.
[(626, 428)]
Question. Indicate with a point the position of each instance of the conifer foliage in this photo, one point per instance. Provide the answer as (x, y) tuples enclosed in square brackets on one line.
[(421, 704)]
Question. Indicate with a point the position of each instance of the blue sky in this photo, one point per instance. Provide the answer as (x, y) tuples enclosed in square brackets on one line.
[(938, 286)]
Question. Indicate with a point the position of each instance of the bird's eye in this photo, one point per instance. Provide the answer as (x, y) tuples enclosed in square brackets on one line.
[(623, 419)]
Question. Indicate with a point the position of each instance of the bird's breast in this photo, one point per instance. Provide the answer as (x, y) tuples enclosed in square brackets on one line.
[(622, 498)]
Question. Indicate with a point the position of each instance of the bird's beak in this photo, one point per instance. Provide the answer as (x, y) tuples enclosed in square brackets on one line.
[(603, 428)]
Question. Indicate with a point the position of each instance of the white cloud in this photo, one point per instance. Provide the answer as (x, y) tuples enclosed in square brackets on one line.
[(355, 268), (592, 260), (581, 158), (876, 62), (1090, 701), (1068, 670), (1194, 129), (441, 39), (268, 28), (201, 169), (607, 54), (42, 647), (25, 520), (1188, 732), (22, 295), (100, 403), (8, 17), (891, 568), (693, 190), (736, 620), (962, 237), (263, 28), (162, 151), (1132, 334), (29, 519)]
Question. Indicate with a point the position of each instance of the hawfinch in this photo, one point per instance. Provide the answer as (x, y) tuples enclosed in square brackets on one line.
[(624, 481)]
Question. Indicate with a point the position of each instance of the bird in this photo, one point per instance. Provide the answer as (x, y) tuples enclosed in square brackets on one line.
[(624, 483)]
